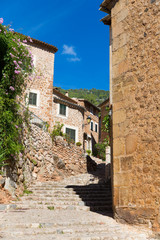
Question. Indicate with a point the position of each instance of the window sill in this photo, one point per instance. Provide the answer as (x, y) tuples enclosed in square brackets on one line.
[(32, 106), (62, 116)]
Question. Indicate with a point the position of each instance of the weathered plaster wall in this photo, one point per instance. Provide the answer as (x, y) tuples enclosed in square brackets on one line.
[(136, 114)]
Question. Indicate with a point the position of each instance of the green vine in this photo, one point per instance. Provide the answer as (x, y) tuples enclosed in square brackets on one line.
[(106, 127), (16, 63)]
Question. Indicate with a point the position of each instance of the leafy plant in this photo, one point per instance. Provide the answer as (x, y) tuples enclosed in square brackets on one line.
[(106, 122), (68, 139), (51, 208), (78, 144), (26, 191), (34, 162), (100, 150), (57, 130), (2, 159), (106, 126), (88, 152), (16, 64)]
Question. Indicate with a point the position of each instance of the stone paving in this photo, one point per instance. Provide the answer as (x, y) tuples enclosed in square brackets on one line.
[(77, 208)]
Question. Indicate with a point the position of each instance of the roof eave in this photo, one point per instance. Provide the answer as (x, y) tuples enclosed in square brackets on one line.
[(49, 47), (106, 20)]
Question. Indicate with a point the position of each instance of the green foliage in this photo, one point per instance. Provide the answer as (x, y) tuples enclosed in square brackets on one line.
[(26, 191), (15, 66), (106, 125), (106, 122), (93, 95), (68, 139), (51, 208), (34, 162), (57, 130), (88, 152), (100, 150), (78, 144), (2, 159)]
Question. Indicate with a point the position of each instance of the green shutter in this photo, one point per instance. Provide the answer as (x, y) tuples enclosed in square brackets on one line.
[(62, 109), (71, 133), (33, 99)]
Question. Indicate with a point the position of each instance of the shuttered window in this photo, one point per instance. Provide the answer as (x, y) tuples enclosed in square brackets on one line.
[(91, 126), (33, 98), (71, 133), (62, 109), (96, 127)]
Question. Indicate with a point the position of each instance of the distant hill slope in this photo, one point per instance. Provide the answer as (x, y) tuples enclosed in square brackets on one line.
[(93, 95)]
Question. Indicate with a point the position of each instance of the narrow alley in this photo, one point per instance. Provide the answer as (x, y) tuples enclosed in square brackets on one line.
[(78, 208)]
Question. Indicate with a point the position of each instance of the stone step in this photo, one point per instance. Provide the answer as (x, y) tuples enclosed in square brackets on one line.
[(40, 229), (25, 206), (68, 198), (63, 193), (46, 205), (71, 184), (79, 233), (53, 224), (66, 202), (78, 191)]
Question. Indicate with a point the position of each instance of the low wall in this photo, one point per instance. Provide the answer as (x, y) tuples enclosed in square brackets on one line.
[(43, 160)]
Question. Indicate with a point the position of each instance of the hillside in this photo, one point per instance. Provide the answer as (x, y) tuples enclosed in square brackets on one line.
[(93, 95)]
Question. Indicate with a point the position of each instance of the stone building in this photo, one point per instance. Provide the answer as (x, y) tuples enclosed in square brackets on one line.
[(39, 92), (103, 106), (135, 95), (66, 111), (91, 127)]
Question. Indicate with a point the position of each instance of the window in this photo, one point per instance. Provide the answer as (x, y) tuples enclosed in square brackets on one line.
[(62, 109), (91, 126), (71, 133), (33, 99), (96, 127)]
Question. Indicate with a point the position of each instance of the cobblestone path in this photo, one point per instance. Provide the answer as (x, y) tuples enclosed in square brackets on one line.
[(77, 208)]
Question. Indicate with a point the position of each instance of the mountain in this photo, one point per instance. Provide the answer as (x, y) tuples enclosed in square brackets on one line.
[(93, 95)]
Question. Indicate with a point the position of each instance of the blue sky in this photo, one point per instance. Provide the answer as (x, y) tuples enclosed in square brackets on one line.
[(74, 27)]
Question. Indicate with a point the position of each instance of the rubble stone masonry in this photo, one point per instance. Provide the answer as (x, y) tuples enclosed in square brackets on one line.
[(135, 27), (43, 160), (42, 82)]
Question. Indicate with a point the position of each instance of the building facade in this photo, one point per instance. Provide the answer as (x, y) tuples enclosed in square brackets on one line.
[(91, 127), (39, 93), (66, 111), (135, 96)]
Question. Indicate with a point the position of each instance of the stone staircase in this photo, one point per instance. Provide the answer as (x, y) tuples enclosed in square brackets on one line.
[(85, 194), (77, 208)]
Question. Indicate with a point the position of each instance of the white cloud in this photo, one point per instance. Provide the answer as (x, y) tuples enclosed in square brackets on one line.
[(75, 59), (69, 50)]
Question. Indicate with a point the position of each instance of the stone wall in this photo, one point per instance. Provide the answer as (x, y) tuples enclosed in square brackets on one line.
[(136, 115), (43, 160), (74, 119), (41, 82)]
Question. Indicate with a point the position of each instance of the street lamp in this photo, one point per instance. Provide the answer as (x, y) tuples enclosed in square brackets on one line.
[(88, 119)]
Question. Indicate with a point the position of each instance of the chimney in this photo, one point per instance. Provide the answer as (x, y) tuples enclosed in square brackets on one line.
[(66, 94)]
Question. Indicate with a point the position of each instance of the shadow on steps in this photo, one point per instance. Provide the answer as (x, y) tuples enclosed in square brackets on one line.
[(96, 196)]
